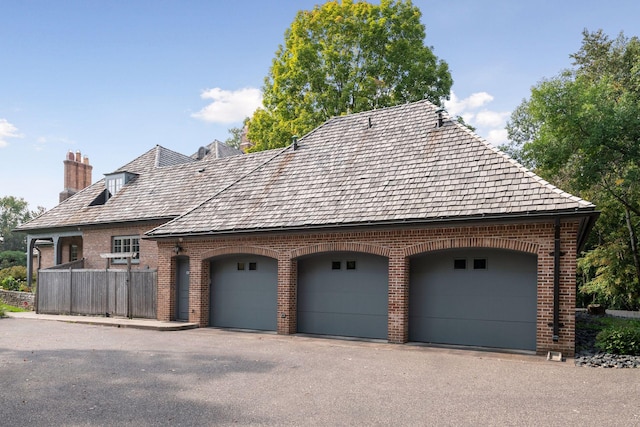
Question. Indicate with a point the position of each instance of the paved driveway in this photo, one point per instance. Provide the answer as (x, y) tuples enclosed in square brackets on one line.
[(54, 373)]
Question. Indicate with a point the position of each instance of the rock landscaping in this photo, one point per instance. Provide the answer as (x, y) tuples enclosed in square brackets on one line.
[(587, 354)]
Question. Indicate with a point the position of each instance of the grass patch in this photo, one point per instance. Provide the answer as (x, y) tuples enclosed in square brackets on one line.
[(4, 308)]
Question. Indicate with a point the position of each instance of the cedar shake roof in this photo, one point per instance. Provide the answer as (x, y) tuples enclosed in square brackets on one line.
[(384, 166), (167, 184)]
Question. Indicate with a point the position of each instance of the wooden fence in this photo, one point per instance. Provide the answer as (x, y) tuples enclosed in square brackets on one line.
[(98, 292)]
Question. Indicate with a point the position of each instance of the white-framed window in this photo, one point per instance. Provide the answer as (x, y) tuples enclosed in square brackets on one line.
[(125, 244), (114, 184)]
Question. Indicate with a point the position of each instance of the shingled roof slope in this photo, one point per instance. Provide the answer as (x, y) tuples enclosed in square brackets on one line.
[(160, 191), (382, 166), (217, 150)]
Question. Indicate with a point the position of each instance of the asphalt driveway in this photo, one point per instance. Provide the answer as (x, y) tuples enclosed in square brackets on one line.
[(54, 373)]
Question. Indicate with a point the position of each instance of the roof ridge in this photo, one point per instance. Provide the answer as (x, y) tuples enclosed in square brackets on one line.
[(384, 109)]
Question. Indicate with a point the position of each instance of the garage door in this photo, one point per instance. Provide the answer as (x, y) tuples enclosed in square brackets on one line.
[(479, 297), (343, 294), (244, 292)]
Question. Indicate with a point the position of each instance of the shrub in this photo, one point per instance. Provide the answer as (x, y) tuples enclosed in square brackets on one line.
[(620, 339), (10, 284), (17, 272), (12, 258)]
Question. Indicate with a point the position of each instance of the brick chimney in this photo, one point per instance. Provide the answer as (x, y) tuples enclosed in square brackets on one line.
[(77, 174)]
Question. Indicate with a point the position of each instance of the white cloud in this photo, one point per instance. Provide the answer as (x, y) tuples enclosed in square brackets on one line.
[(7, 130), (229, 106), (489, 124), (498, 137), (456, 106), (486, 118)]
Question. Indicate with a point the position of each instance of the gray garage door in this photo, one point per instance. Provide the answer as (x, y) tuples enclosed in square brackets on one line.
[(479, 297), (244, 292), (343, 294)]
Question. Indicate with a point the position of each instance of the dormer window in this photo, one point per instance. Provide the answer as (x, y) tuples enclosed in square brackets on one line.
[(113, 183)]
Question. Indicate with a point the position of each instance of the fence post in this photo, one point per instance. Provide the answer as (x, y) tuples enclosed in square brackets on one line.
[(70, 291), (106, 293), (129, 314), (36, 302)]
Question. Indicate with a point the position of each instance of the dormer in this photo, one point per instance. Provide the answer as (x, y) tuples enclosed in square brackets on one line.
[(113, 183)]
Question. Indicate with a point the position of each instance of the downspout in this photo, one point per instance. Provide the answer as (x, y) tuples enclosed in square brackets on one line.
[(556, 282)]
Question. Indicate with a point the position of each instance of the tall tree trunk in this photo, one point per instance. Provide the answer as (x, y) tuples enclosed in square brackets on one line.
[(636, 258)]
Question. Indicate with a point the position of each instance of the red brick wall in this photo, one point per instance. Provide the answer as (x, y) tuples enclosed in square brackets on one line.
[(46, 258), (396, 244), (96, 241)]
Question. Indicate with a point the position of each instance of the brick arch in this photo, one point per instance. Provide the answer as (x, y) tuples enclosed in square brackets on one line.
[(253, 250), (341, 247), (471, 242)]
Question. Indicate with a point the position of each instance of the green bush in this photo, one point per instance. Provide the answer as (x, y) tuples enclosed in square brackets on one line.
[(10, 284), (620, 339), (12, 258), (17, 272)]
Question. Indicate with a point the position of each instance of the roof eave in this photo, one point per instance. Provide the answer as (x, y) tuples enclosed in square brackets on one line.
[(96, 224), (589, 214)]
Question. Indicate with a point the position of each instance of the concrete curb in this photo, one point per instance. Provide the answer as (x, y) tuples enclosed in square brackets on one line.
[(148, 324)]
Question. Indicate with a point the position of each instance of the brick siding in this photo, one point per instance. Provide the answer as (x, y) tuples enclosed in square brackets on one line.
[(398, 245), (96, 241)]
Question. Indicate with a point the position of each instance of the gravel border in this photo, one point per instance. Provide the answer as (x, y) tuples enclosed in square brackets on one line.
[(589, 356)]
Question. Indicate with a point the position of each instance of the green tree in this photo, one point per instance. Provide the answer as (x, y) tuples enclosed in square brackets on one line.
[(13, 212), (346, 57), (581, 131), (12, 259), (235, 135)]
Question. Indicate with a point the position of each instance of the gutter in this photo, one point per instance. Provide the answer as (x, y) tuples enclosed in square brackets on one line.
[(77, 226), (585, 228)]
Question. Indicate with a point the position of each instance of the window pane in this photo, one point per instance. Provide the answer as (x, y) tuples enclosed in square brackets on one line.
[(480, 264), (459, 264)]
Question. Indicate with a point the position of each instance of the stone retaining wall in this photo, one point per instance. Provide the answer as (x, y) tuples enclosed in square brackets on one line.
[(18, 299)]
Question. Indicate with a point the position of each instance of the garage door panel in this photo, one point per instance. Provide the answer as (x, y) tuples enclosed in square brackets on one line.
[(345, 324), (493, 307), (482, 333), (343, 302), (245, 299), (484, 307)]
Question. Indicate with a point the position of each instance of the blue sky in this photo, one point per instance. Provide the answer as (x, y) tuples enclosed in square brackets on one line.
[(114, 78)]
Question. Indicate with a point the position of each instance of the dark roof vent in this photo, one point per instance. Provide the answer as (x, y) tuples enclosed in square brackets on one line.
[(439, 112), (370, 124), (294, 142)]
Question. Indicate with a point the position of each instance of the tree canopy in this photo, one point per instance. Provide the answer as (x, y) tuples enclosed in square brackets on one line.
[(346, 57), (13, 212), (581, 130)]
